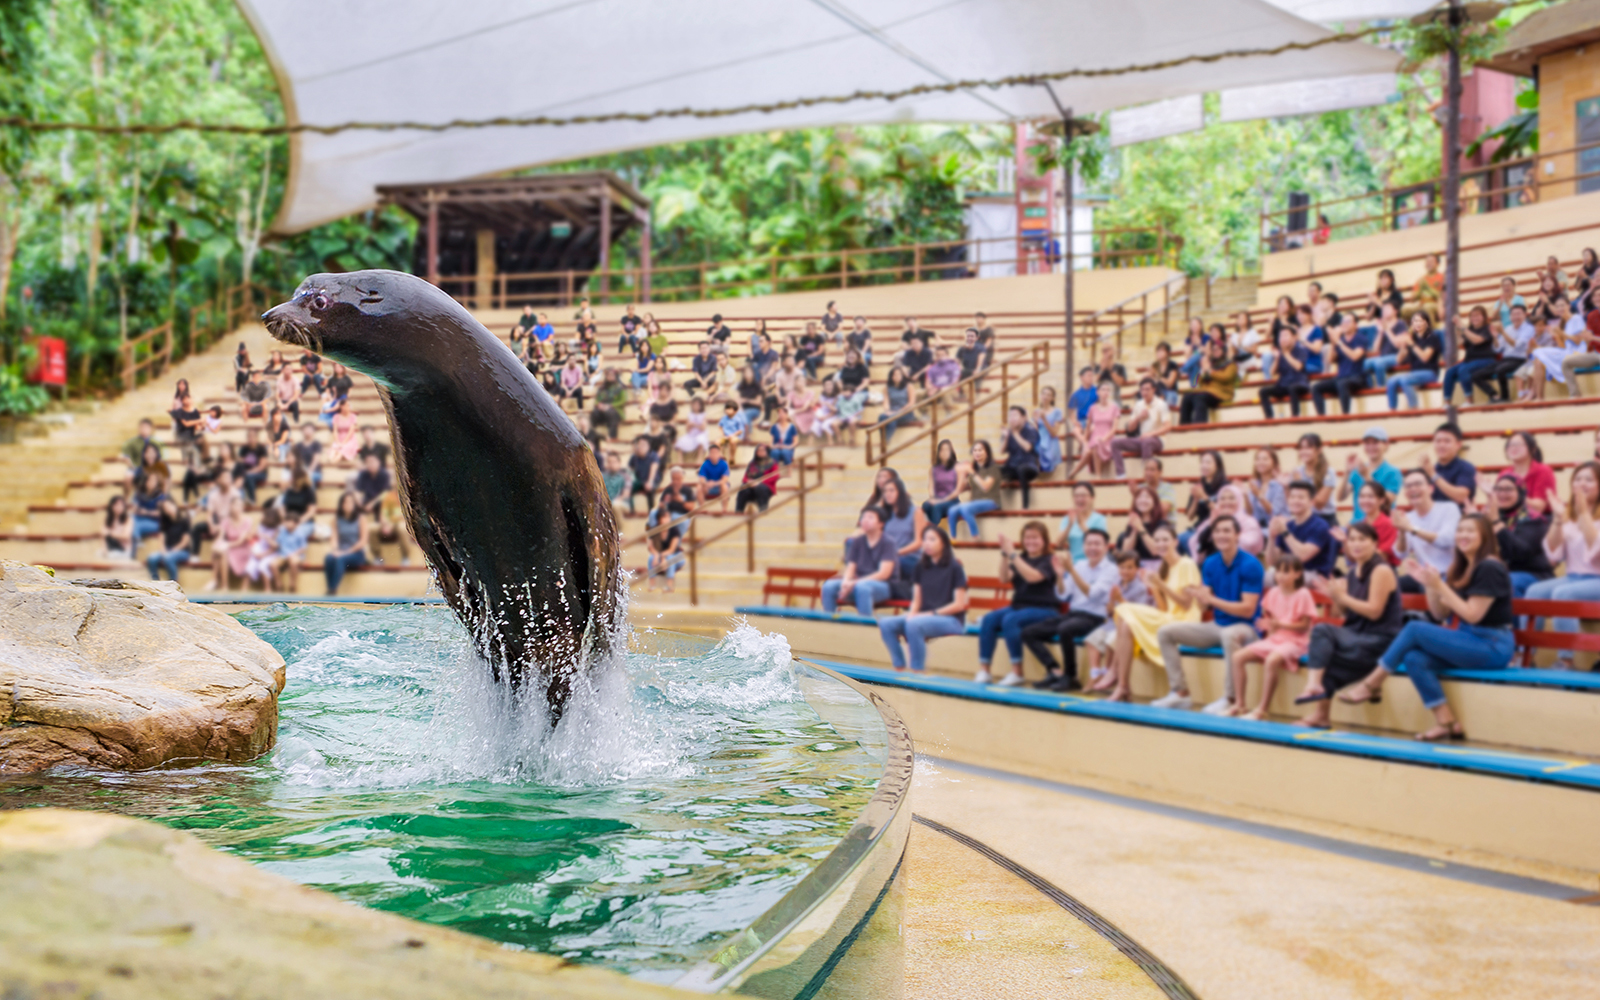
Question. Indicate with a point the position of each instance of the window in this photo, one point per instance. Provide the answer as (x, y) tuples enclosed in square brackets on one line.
[(1588, 133)]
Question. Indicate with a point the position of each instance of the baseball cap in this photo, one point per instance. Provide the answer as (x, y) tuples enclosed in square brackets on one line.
[(1375, 434)]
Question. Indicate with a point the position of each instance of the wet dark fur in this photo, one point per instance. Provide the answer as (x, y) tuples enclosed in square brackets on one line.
[(502, 493)]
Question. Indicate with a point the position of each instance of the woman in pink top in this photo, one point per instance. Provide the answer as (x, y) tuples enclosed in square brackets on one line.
[(230, 550), (1525, 464), (1231, 501), (1573, 539), (346, 440), (803, 406), (1097, 432), (1287, 612)]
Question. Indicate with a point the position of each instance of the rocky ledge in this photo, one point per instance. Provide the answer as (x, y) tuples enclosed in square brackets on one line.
[(126, 675)]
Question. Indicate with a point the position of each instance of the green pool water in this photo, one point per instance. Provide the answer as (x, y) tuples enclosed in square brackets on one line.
[(676, 802)]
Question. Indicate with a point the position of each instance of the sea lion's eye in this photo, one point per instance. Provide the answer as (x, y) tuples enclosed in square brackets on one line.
[(319, 301)]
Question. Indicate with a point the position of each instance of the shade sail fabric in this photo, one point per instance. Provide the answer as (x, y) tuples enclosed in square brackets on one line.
[(1351, 11), (1172, 116), (419, 60), (1306, 97)]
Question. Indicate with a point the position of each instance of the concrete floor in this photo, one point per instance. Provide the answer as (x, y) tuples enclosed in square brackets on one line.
[(1235, 915)]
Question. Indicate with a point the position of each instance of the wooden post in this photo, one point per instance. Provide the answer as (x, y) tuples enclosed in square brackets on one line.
[(916, 263), (571, 281), (1036, 376), (801, 499), (694, 567), (702, 280), (646, 267), (605, 243), (972, 435), (1166, 307), (844, 273), (774, 274), (1005, 390), (431, 265), (750, 542), (1144, 316)]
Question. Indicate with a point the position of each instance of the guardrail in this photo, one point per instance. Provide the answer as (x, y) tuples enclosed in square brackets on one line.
[(693, 544), (842, 269), (146, 356)]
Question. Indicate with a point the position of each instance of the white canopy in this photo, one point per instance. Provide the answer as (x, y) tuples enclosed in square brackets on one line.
[(419, 60)]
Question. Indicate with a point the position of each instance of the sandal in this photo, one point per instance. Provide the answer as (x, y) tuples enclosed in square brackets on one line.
[(1312, 725), (1440, 733), (1307, 699), (1371, 695)]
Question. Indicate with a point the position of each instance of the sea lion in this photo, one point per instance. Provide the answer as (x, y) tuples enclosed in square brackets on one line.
[(501, 491)]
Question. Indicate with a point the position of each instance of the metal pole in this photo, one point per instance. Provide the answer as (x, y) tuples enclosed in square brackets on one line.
[(1452, 183)]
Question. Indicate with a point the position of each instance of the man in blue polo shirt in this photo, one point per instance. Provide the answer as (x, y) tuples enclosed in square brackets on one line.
[(1303, 533), (1231, 581), (1454, 478)]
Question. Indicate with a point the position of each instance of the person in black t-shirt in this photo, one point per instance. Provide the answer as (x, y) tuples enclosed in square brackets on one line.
[(1032, 574), (718, 332), (832, 320), (370, 445), (916, 359), (371, 483), (974, 358), (1477, 594), (339, 384), (938, 603), (861, 338)]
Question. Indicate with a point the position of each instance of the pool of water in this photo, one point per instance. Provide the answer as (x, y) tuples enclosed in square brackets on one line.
[(680, 798)]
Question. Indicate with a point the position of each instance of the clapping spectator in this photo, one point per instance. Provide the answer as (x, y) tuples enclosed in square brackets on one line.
[(1303, 533), (1219, 377), (1368, 596), (1427, 530), (1147, 426), (1021, 451), (1420, 353), (1573, 539), (1031, 574), (1520, 535), (1349, 351), (733, 427), (645, 465), (760, 481), (1368, 464), (1515, 342), (1172, 587), (1288, 610), (1081, 520), (900, 396), (1289, 372), (938, 603), (1477, 337), (1084, 584), (1051, 424), (715, 477), (983, 484), (346, 439)]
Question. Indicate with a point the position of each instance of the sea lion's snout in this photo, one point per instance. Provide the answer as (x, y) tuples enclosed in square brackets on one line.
[(295, 322)]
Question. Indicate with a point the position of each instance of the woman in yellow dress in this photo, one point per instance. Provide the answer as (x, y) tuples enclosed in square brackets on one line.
[(1172, 589)]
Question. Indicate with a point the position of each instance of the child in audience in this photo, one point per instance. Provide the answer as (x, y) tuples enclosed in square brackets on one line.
[(733, 426), (695, 439), (714, 478), (1287, 612), (1129, 588)]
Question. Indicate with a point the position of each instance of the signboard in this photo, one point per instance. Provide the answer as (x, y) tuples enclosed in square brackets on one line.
[(560, 230), (51, 368)]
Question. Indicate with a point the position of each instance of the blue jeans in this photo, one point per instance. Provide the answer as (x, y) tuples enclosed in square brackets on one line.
[(917, 630), (1572, 587), (868, 593), (1008, 622), (659, 564), (334, 567), (1424, 648), (1190, 369), (1408, 381), (1462, 375), (170, 560), (1377, 368), (144, 527), (937, 510), (969, 512), (1520, 582)]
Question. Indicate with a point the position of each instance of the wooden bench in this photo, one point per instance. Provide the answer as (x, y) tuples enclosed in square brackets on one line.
[(795, 581)]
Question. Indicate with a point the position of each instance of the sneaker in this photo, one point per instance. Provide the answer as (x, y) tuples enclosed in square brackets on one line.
[(1173, 699), (1011, 681), (1066, 682), (1221, 706), (983, 677), (1048, 683)]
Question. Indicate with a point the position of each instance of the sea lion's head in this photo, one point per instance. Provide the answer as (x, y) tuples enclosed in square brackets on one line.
[(389, 325)]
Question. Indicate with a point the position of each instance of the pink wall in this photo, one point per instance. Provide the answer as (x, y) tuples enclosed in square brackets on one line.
[(1487, 99)]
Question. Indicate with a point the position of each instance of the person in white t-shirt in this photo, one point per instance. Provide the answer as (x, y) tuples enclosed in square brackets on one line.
[(1146, 428), (1427, 531), (1571, 336)]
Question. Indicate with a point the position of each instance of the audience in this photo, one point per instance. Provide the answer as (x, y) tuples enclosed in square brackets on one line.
[(1084, 584), (983, 490), (1368, 464), (1147, 425), (1219, 378), (760, 480), (1369, 597), (1420, 350), (1021, 451), (946, 479), (1287, 612), (870, 566), (1081, 520), (1520, 535), (1427, 531), (1172, 587), (1573, 540)]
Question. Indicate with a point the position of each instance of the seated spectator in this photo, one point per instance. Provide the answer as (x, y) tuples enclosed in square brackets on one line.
[(1373, 504), (253, 399), (617, 481), (1172, 586), (306, 453), (231, 547), (630, 322), (349, 542), (704, 366), (1110, 371), (1080, 520), (916, 360), (1164, 491), (148, 497), (983, 490), (1052, 424), (1146, 428), (1165, 372), (150, 465), (1348, 353), (719, 334), (986, 338), (860, 338), (1096, 433), (665, 543), (1429, 289), (116, 532), (715, 478), (241, 368), (1083, 398), (900, 396), (762, 357), (946, 479), (696, 438), (1519, 534), (1288, 370), (749, 392), (1427, 531), (134, 451), (1453, 477), (1084, 585), (855, 372), (1230, 502), (1369, 597), (1477, 341), (173, 538), (1266, 486), (346, 439), (973, 358), (1315, 469), (913, 331), (938, 603), (1196, 347), (1384, 330), (645, 465), (1476, 593), (1287, 612), (1144, 517), (300, 499), (812, 352), (871, 565), (1219, 378), (733, 426), (1303, 533), (1588, 355), (1573, 539), (338, 385), (1420, 350), (294, 537), (1213, 477), (760, 480), (1515, 342), (1021, 451), (1032, 576), (370, 484), (1525, 464), (1230, 585), (899, 522), (832, 320), (784, 433), (944, 372), (279, 435), (1567, 335), (573, 378), (851, 410), (1129, 588), (610, 402), (1368, 464)]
